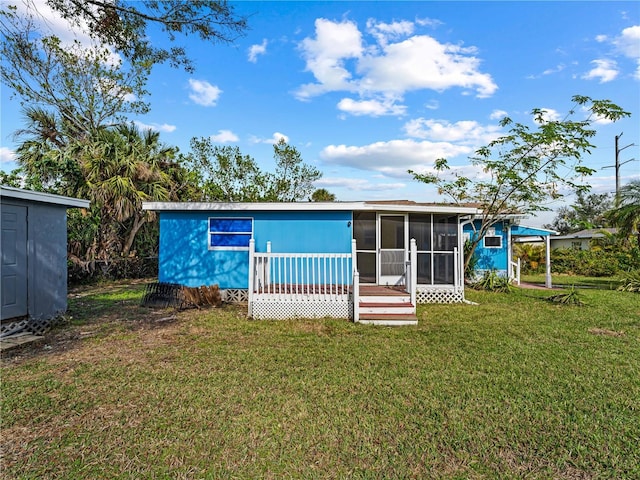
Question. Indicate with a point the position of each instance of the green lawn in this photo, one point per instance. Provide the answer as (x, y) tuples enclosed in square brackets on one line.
[(513, 387), (557, 279)]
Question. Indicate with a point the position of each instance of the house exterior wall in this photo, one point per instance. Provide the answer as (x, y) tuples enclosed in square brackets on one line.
[(185, 257), (46, 249), (575, 243), (491, 258)]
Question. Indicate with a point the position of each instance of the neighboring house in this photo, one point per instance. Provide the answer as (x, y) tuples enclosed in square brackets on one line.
[(317, 259), (495, 250), (580, 240), (33, 270)]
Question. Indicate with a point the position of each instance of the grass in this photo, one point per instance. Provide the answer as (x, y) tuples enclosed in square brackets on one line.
[(513, 387), (564, 280)]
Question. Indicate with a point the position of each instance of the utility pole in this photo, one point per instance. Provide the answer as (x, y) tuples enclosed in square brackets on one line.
[(618, 165)]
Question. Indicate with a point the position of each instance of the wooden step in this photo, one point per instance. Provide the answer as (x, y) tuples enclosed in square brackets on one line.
[(383, 308), (385, 299), (388, 319)]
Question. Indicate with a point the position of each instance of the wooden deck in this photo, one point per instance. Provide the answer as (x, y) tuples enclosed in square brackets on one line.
[(365, 290)]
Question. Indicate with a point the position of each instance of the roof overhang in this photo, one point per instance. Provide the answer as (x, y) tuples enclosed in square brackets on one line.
[(29, 195), (306, 206)]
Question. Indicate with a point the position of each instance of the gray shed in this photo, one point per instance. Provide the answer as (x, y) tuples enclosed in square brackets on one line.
[(33, 239)]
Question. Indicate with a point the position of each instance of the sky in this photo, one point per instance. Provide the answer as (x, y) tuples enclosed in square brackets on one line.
[(369, 90)]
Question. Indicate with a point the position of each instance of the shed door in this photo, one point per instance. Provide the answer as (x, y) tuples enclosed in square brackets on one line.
[(13, 269)]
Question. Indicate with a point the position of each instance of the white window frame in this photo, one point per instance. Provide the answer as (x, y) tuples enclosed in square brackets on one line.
[(484, 241), (226, 247)]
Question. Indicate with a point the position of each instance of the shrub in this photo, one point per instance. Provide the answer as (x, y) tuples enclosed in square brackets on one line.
[(570, 297), (492, 282), (631, 282)]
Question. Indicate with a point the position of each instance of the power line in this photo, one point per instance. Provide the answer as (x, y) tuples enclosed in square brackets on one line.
[(618, 164)]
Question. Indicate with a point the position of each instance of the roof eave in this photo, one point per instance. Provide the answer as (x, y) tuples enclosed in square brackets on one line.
[(303, 206)]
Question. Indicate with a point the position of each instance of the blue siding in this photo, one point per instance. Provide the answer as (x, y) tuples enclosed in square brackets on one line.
[(186, 259), (492, 258)]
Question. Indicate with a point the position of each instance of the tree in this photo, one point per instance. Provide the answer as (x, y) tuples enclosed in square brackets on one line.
[(293, 180), (322, 195), (588, 212), (226, 175), (83, 86), (126, 25), (121, 168), (626, 214), (525, 168)]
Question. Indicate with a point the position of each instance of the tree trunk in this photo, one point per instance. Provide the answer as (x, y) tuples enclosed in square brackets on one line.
[(138, 222)]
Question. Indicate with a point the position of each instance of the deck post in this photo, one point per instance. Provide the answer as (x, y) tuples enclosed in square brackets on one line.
[(252, 251), (267, 268), (547, 244), (356, 296), (413, 259), (354, 256)]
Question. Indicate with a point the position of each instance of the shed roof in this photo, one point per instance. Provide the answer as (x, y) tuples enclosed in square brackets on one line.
[(384, 206), (30, 195)]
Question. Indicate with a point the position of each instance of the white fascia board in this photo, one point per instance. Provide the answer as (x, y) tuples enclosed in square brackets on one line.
[(18, 193), (303, 206)]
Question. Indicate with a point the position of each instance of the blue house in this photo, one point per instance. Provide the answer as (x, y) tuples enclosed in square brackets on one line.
[(369, 261), (495, 250)]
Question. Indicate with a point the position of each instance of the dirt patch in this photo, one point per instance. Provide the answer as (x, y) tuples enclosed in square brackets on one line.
[(606, 332)]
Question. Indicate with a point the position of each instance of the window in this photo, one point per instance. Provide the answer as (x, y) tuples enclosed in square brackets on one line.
[(492, 241), (230, 233)]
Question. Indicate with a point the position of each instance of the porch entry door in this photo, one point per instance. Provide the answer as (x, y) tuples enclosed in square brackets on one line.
[(392, 248)]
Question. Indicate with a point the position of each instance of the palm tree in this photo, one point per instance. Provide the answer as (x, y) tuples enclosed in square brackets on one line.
[(123, 167), (626, 214)]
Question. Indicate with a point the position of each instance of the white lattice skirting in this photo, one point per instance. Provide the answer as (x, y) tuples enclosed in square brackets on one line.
[(284, 309), (439, 295), (235, 295)]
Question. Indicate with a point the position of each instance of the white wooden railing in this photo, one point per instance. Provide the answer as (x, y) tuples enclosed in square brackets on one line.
[(514, 271), (299, 276)]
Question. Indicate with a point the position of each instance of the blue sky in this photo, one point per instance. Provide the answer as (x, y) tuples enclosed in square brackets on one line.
[(367, 90)]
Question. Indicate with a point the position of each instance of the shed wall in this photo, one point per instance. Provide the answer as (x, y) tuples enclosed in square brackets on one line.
[(46, 257)]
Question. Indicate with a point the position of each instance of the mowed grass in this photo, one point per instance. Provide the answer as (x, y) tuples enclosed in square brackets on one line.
[(565, 280), (513, 387)]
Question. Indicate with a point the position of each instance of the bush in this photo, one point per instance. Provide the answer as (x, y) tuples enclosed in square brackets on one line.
[(599, 262), (631, 282), (492, 282)]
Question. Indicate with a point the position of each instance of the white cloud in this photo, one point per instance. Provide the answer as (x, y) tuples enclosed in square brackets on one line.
[(384, 32), (432, 105), (7, 155), (556, 69), (498, 115), (258, 49), (203, 93), (157, 127), (357, 184), (465, 132), (224, 136), (605, 70), (326, 54), (373, 108), (340, 60), (275, 138), (601, 38), (628, 42), (392, 158)]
